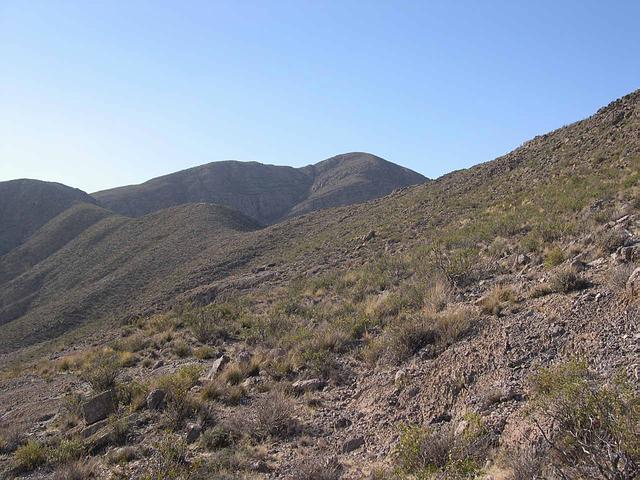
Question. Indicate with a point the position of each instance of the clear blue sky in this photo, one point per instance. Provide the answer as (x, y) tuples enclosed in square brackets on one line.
[(99, 94)]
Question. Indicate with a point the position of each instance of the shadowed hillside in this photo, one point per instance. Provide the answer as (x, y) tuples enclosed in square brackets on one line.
[(26, 205)]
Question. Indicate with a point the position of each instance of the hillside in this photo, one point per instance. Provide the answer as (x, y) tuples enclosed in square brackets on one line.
[(267, 193), (483, 325), (26, 205)]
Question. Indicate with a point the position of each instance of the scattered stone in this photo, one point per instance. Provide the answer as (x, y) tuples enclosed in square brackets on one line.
[(522, 259), (633, 283), (369, 236), (193, 432), (400, 377), (342, 422), (243, 358), (578, 265), (352, 444), (310, 385), (217, 366), (155, 398), (260, 466), (158, 364), (99, 407), (91, 429), (460, 428)]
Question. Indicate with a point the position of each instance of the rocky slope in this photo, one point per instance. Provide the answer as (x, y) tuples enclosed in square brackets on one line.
[(267, 193)]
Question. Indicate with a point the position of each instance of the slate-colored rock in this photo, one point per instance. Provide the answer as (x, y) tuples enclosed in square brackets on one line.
[(193, 432), (155, 399), (99, 407), (352, 444), (310, 385), (217, 366)]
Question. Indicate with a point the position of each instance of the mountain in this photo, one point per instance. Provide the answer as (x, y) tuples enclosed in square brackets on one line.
[(267, 193), (461, 328), (26, 205)]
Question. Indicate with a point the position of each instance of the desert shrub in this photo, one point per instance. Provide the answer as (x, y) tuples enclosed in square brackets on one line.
[(127, 359), (133, 394), (180, 348), (216, 438), (566, 280), (101, 369), (402, 339), (133, 343), (554, 257), (317, 468), (620, 275), (589, 426), (426, 453), (78, 470), (610, 240), (170, 458), (452, 324), (457, 266), (11, 437), (204, 353), (493, 303), (437, 296), (119, 429), (180, 404), (30, 456), (67, 451), (220, 391), (271, 416), (524, 464), (216, 321)]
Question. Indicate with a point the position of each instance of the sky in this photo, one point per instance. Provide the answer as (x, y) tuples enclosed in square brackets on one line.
[(97, 94)]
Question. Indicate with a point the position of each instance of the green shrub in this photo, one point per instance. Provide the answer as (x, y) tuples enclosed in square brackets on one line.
[(593, 431), (215, 438), (566, 280), (216, 321), (101, 369), (180, 348), (67, 451), (554, 257), (30, 456)]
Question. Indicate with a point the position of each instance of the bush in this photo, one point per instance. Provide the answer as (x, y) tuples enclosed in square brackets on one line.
[(68, 450), (271, 416), (566, 280), (493, 303), (219, 391), (215, 438), (213, 322), (30, 456), (451, 325), (170, 459), (317, 468), (10, 439), (180, 404), (180, 348), (589, 426), (403, 339), (554, 257), (79, 470), (437, 296), (426, 453), (101, 369), (611, 240)]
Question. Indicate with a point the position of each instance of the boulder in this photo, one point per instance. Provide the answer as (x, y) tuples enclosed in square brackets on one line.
[(91, 429), (352, 444), (99, 407), (193, 432), (633, 283), (310, 385), (217, 366), (155, 398)]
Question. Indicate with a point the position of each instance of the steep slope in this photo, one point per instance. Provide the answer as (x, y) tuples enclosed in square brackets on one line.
[(113, 265), (49, 238), (352, 178), (267, 193), (26, 205)]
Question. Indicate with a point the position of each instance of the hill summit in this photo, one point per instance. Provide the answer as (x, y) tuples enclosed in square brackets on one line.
[(267, 193)]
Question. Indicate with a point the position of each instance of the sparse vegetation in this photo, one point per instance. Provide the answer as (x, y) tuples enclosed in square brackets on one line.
[(590, 427), (30, 456), (100, 369)]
